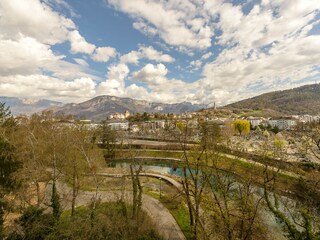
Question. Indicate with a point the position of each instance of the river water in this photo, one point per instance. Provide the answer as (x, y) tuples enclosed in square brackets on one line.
[(161, 168)]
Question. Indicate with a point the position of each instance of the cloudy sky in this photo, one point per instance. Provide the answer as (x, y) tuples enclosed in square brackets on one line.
[(202, 51)]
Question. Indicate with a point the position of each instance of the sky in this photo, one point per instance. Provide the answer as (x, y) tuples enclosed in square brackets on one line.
[(199, 51)]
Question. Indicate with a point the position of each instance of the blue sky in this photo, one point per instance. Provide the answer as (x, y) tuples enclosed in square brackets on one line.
[(201, 51)]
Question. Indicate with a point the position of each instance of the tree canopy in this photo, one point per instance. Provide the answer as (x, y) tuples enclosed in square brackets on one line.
[(242, 126)]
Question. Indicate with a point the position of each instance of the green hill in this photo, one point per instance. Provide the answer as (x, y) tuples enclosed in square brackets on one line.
[(301, 100)]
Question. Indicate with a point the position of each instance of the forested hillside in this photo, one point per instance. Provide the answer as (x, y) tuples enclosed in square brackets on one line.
[(301, 100)]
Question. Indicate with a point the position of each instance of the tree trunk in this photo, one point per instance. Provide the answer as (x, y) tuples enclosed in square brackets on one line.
[(75, 189), (38, 194), (188, 197), (55, 204), (134, 192)]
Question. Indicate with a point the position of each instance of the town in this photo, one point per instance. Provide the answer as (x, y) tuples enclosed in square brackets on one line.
[(153, 126)]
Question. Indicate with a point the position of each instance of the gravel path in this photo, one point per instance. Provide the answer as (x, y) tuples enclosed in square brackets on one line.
[(166, 225)]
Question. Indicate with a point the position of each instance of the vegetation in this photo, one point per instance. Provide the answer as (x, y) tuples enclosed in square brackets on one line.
[(108, 141), (301, 100), (139, 117), (180, 212), (8, 162), (242, 126), (112, 221)]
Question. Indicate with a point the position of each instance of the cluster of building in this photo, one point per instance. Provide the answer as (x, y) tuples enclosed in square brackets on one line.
[(119, 116), (118, 121), (281, 123), (307, 118), (137, 126), (286, 123)]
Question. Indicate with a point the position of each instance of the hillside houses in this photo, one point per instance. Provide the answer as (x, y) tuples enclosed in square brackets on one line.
[(307, 118)]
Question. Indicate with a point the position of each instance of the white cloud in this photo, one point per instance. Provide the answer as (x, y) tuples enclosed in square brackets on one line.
[(79, 44), (161, 88), (176, 22), (62, 5), (131, 57), (265, 50), (28, 65), (81, 62), (145, 28), (267, 47), (41, 86), (27, 56), (152, 54), (34, 19), (147, 53), (119, 71), (196, 63), (286, 64), (151, 74), (115, 84), (155, 85), (24, 55), (206, 56), (103, 54)]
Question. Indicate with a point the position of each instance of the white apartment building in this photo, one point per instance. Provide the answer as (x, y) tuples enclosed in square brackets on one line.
[(118, 125), (255, 121), (282, 124), (308, 118)]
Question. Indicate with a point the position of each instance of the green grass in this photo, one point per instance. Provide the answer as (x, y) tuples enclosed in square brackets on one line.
[(180, 212), (177, 209), (181, 215)]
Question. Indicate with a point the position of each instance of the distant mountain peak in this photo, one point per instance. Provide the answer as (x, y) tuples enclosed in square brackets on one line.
[(27, 105), (100, 107), (29, 101)]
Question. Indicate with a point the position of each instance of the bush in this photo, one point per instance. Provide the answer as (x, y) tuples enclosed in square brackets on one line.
[(35, 225)]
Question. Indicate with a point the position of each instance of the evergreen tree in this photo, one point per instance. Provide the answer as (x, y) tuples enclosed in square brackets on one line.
[(8, 162)]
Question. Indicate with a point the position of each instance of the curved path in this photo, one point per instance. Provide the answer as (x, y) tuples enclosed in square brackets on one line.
[(173, 182), (165, 223)]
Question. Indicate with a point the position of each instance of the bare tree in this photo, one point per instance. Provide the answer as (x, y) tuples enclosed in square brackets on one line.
[(300, 219)]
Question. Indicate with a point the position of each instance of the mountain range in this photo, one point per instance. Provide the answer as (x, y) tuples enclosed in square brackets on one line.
[(97, 108), (27, 106), (100, 107), (301, 100)]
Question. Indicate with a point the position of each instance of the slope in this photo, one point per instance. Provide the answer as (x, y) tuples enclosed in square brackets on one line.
[(301, 100)]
